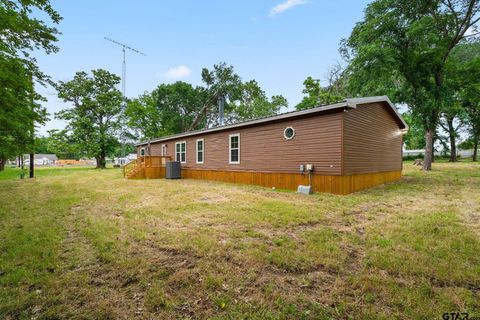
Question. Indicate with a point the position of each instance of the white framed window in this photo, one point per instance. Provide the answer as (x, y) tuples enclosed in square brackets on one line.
[(142, 152), (200, 151), (289, 133), (164, 150), (234, 148), (181, 151)]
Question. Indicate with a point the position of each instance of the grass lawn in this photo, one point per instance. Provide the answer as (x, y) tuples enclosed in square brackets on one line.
[(87, 244)]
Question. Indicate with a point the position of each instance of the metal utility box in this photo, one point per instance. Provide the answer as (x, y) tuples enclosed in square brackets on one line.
[(305, 189), (173, 170)]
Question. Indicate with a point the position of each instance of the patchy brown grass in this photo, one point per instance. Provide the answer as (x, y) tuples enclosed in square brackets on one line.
[(87, 244)]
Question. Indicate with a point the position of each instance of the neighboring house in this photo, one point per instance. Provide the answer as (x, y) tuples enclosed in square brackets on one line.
[(467, 153), (123, 161), (352, 145), (41, 159)]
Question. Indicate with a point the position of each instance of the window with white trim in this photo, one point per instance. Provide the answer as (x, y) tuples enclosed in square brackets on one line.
[(181, 151), (164, 149), (200, 151), (234, 148)]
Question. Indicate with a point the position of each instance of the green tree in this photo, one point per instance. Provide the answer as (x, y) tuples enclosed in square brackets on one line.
[(168, 109), (142, 116), (93, 123), (402, 46), (179, 107), (415, 137), (178, 104), (254, 103), (315, 95), (58, 142), (19, 110), (243, 100), (458, 76), (473, 112), (20, 35), (463, 80), (221, 81), (41, 145)]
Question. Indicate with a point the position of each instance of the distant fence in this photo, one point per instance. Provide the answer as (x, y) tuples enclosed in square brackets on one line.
[(421, 152), (417, 153), (71, 162)]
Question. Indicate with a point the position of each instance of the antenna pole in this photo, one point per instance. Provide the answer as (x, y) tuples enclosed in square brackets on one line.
[(124, 66), (124, 79)]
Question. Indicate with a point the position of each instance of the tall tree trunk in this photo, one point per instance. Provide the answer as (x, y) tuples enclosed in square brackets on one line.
[(427, 159), (452, 136), (101, 162), (2, 163), (32, 165), (475, 148)]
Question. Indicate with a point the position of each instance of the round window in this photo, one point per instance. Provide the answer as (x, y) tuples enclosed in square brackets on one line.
[(289, 133)]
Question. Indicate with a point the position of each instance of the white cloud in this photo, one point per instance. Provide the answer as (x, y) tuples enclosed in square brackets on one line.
[(279, 8), (177, 73)]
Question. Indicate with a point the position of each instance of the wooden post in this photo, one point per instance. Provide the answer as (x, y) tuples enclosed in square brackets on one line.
[(32, 133), (22, 173), (32, 160)]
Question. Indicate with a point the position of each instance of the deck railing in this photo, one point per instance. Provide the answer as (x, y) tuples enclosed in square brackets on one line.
[(145, 162), (154, 161), (127, 168)]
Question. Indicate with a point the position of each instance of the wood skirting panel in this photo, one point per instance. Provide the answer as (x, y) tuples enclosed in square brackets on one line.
[(357, 182), (290, 181), (154, 172)]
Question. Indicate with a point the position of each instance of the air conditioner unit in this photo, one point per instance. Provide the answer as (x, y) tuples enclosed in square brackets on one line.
[(173, 170)]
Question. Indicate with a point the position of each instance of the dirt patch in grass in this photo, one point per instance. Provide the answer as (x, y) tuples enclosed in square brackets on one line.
[(213, 199)]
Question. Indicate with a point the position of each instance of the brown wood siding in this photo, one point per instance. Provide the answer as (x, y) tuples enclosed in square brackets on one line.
[(321, 183), (263, 148), (372, 140)]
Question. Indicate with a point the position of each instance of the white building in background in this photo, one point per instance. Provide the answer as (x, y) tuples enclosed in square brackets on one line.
[(420, 152), (125, 160), (41, 159), (466, 153)]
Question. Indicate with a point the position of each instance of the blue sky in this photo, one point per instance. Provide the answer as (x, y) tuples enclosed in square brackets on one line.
[(276, 42)]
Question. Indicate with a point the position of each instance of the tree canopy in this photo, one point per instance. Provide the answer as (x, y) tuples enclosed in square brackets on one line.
[(168, 109), (93, 121), (401, 48), (464, 80), (178, 107), (315, 95), (20, 35)]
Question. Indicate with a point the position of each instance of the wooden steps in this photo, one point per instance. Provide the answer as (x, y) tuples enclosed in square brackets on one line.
[(146, 167), (136, 173)]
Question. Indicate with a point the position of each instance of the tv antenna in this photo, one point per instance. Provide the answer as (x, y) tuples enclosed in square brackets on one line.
[(124, 65)]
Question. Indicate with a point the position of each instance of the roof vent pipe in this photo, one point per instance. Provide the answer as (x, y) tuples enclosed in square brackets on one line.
[(221, 109)]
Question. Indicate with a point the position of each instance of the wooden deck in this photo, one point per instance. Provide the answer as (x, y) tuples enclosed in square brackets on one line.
[(146, 167)]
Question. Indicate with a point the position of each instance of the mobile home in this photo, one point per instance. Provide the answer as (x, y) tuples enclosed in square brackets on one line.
[(338, 148)]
